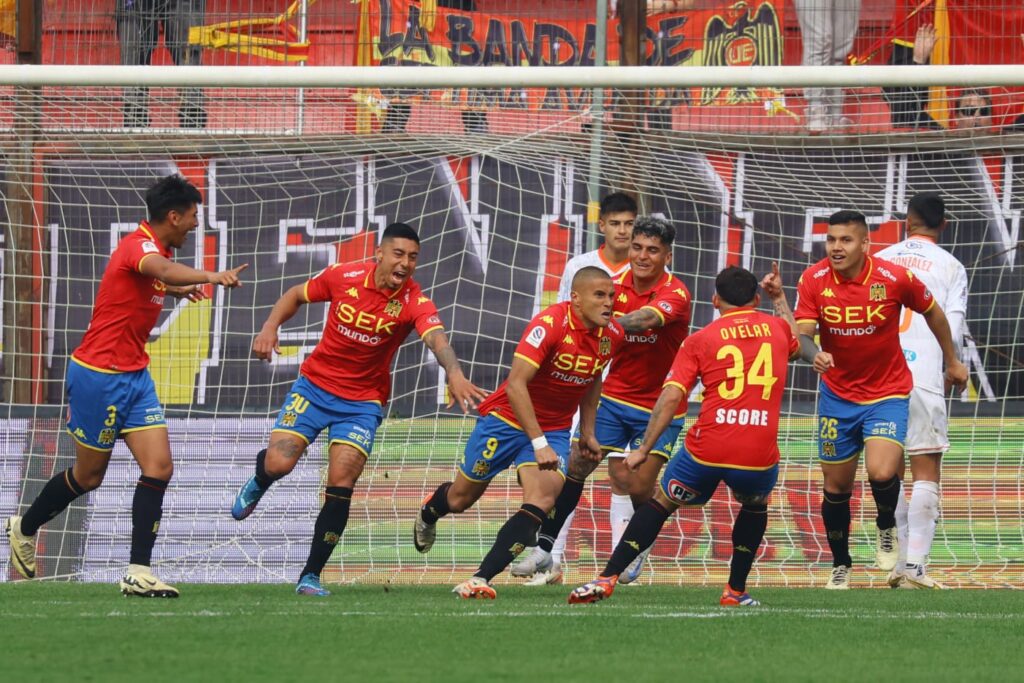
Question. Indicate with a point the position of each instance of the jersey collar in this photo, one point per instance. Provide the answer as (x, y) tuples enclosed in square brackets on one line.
[(737, 310), (862, 277), (926, 238), (612, 267), (368, 283)]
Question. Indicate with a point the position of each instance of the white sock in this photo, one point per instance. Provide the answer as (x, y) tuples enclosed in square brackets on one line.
[(558, 549), (924, 510), (620, 512), (901, 525)]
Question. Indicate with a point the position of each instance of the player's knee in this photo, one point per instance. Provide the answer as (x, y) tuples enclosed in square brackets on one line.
[(88, 479), (580, 469), (752, 502), (162, 470), (277, 465)]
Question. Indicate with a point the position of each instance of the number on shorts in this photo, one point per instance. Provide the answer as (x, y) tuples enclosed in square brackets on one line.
[(828, 428), (111, 416), (298, 404), (492, 447), (760, 374)]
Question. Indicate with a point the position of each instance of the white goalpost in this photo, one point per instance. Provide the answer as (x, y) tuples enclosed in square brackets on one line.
[(494, 167)]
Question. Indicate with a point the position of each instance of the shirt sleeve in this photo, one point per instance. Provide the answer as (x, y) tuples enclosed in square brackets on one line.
[(955, 308), (136, 251), (685, 368), (806, 302), (791, 341), (672, 304), (318, 288), (425, 315), (538, 341), (913, 293)]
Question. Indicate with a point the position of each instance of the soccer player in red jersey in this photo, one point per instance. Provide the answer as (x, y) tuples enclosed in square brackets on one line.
[(526, 423), (110, 392), (741, 358), (653, 307), (345, 382), (854, 301)]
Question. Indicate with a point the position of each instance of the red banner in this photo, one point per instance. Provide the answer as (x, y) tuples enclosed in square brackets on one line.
[(740, 34)]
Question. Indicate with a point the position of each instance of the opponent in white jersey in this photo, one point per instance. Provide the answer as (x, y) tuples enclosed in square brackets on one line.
[(927, 437), (616, 215)]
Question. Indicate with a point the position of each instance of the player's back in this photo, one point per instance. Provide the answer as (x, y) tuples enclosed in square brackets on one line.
[(742, 359)]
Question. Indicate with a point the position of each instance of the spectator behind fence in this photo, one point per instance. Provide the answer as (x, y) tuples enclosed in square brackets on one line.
[(827, 28), (972, 110), (138, 29)]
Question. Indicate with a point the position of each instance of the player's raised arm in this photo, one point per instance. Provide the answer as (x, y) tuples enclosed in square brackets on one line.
[(666, 407), (461, 391), (178, 274), (519, 398), (590, 447), (956, 372), (265, 345)]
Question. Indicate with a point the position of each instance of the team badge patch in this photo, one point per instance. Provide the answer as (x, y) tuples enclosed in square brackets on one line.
[(680, 492), (393, 308), (150, 248), (604, 347), (481, 468), (877, 292), (665, 306), (536, 336)]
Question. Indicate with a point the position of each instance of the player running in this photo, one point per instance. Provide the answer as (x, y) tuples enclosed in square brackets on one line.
[(110, 392), (741, 358), (927, 437), (653, 307), (854, 302), (344, 384), (525, 424)]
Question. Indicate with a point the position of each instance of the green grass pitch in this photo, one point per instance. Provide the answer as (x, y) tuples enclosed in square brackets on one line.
[(87, 632)]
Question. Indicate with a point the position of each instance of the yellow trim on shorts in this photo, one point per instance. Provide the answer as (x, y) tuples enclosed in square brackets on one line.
[(884, 438), (475, 481), (838, 462), (528, 360), (91, 448), (140, 429), (533, 464), (507, 421), (683, 505), (356, 446), (293, 433), (731, 467), (431, 329), (103, 370)]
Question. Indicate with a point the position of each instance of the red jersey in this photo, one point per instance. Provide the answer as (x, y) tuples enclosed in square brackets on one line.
[(741, 358), (858, 321), (568, 358), (636, 375), (364, 328), (127, 307)]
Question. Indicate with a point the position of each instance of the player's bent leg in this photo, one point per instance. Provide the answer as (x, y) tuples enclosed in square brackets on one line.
[(751, 489), (621, 508), (450, 497), (883, 460), (837, 489), (272, 463), (641, 488)]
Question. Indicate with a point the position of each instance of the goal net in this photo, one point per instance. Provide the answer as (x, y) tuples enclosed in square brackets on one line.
[(500, 183)]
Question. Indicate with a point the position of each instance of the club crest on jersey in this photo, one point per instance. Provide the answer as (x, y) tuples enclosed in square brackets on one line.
[(481, 468), (876, 292), (393, 308), (680, 492), (604, 347)]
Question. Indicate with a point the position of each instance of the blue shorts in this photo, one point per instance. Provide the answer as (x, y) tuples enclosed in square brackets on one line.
[(495, 445), (309, 410), (844, 426), (619, 425), (689, 482), (104, 405)]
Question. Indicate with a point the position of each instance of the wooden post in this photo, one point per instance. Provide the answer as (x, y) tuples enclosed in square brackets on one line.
[(25, 290), (629, 116)]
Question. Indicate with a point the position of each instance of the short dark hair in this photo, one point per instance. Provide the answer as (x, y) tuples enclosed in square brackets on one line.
[(401, 231), (588, 273), (929, 207), (980, 93), (171, 193), (736, 286), (652, 226), (848, 216), (617, 202)]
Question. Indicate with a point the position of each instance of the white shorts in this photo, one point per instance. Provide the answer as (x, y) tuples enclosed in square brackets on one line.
[(926, 429)]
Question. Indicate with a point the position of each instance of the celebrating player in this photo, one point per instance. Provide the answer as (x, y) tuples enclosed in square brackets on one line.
[(653, 307), (344, 384), (616, 219), (525, 423), (110, 392), (741, 358), (927, 439), (854, 301)]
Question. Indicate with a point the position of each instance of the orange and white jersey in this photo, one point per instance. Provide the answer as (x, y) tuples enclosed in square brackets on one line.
[(590, 258), (946, 278)]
